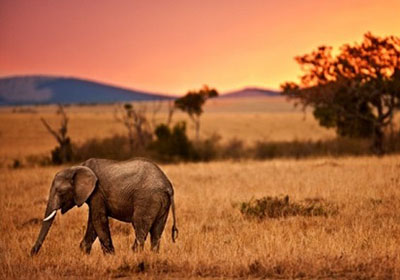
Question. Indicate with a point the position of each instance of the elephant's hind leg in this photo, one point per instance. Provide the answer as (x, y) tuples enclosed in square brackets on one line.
[(142, 221), (90, 236), (157, 230), (142, 227)]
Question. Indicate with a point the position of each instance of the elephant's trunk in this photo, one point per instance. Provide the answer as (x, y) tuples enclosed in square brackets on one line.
[(50, 213)]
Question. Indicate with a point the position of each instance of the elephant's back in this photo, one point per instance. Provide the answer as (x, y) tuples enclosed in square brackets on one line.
[(140, 168), (131, 174)]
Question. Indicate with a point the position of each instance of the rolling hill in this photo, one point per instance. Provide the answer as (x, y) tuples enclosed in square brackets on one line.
[(33, 90), (251, 92), (29, 90)]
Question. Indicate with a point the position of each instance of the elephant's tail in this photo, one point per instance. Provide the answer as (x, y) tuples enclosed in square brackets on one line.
[(174, 228)]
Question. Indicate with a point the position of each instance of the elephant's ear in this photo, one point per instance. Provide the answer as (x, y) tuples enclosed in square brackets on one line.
[(84, 181)]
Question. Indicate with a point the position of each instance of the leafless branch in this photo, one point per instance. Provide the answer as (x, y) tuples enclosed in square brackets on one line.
[(135, 121), (155, 109), (171, 110), (61, 135), (52, 132)]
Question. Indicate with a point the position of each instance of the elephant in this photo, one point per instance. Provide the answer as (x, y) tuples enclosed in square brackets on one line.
[(136, 191)]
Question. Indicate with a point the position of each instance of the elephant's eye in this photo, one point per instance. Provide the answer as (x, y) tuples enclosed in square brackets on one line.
[(63, 189), (61, 192)]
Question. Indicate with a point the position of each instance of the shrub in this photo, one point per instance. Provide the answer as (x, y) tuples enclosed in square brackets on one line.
[(115, 147), (172, 145), (278, 207), (62, 153), (207, 149), (16, 164), (234, 149), (302, 149), (41, 160), (265, 150), (393, 142)]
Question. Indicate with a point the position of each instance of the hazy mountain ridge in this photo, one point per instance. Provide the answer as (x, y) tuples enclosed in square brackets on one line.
[(251, 92), (31, 90), (24, 90)]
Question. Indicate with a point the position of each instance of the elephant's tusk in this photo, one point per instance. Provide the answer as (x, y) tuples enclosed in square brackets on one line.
[(50, 216)]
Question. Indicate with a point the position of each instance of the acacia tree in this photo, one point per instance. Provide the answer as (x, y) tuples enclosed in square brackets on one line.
[(357, 91), (192, 103)]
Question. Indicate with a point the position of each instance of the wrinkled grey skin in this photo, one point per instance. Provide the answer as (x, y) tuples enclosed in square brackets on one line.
[(134, 191)]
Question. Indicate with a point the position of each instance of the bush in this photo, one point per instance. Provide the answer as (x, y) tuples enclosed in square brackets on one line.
[(207, 149), (234, 149), (303, 149), (62, 153), (278, 207), (16, 164), (41, 160), (172, 145), (115, 147), (265, 150)]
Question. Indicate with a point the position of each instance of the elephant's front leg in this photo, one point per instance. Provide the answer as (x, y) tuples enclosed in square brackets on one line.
[(99, 219), (90, 236)]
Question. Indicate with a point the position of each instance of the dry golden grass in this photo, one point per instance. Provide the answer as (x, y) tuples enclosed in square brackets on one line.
[(215, 240), (361, 241)]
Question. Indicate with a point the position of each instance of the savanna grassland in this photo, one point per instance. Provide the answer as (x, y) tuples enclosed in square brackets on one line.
[(360, 240)]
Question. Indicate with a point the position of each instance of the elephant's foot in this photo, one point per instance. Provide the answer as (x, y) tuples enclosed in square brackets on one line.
[(34, 250), (137, 247), (155, 249), (155, 246), (86, 248), (108, 249)]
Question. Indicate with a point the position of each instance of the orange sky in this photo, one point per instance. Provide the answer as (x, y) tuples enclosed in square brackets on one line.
[(172, 46)]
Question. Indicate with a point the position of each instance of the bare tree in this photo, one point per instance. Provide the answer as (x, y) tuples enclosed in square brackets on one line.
[(171, 111), (135, 121), (155, 109), (62, 153)]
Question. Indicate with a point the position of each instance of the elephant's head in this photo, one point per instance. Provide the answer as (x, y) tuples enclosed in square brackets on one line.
[(70, 187)]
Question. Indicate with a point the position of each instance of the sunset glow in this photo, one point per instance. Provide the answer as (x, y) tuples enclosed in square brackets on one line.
[(175, 46)]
